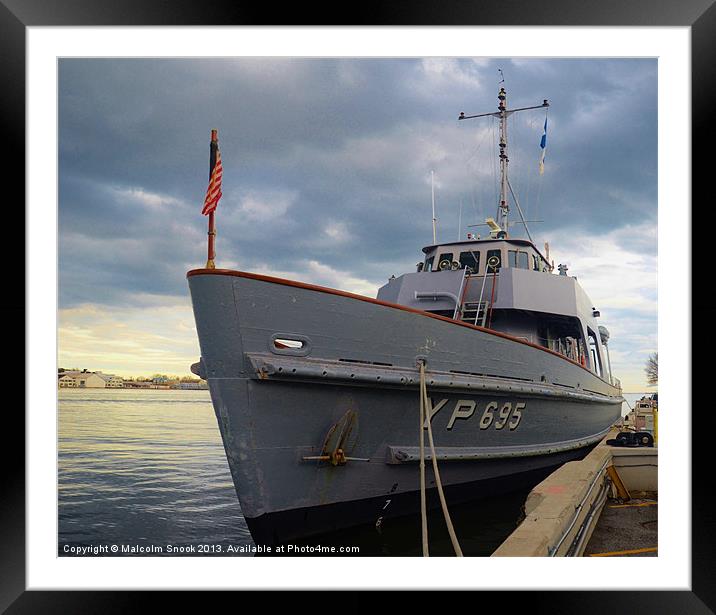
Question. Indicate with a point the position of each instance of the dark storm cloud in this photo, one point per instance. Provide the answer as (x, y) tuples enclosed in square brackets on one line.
[(329, 161)]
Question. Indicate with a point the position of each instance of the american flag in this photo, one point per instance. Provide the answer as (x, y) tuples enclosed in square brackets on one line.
[(213, 192)]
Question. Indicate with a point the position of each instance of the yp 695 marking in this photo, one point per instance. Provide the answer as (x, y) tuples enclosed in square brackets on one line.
[(495, 415)]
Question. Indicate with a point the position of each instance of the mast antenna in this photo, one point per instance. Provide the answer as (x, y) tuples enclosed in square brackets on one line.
[(503, 208), (459, 222), (432, 191)]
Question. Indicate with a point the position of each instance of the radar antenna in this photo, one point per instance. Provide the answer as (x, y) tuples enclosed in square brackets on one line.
[(502, 114)]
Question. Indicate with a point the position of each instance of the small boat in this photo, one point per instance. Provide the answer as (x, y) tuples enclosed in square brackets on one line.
[(317, 391)]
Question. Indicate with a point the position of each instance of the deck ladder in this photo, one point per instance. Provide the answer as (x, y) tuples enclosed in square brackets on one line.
[(474, 312)]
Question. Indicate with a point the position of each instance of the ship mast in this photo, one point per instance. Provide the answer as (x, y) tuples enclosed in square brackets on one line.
[(502, 114)]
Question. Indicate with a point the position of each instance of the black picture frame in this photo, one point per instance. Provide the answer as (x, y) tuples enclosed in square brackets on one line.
[(699, 15)]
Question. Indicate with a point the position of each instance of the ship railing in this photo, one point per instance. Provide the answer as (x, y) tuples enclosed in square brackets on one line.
[(562, 346)]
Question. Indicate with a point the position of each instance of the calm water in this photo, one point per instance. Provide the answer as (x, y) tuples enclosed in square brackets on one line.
[(147, 467), (143, 467)]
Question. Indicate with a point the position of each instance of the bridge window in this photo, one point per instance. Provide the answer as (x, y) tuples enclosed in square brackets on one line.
[(535, 262), (490, 254), (470, 260), (445, 256), (429, 263), (519, 259)]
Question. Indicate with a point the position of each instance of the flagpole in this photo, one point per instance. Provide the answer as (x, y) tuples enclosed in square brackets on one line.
[(211, 254)]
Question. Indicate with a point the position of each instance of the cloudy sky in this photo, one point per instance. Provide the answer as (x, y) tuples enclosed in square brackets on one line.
[(327, 180)]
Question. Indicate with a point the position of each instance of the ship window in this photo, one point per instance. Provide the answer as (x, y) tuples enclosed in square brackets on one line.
[(429, 263), (518, 259), (535, 260), (470, 259), (594, 353), (446, 256), (497, 254)]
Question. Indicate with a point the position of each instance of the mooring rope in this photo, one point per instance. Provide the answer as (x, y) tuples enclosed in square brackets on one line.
[(423, 504), (438, 483)]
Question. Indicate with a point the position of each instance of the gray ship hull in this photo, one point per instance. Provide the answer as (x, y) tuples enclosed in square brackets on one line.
[(287, 363)]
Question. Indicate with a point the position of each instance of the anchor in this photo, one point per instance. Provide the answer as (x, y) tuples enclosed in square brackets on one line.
[(334, 444)]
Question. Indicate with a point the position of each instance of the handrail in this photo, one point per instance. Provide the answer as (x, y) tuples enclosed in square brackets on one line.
[(584, 528), (434, 295), (479, 302), (461, 293), (578, 509)]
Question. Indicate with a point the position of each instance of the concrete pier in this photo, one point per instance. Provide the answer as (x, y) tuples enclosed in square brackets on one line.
[(563, 511)]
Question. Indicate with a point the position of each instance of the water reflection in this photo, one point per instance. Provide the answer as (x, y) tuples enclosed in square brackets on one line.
[(147, 467), (143, 467)]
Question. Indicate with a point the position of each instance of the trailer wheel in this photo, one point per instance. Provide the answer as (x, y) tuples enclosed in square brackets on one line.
[(645, 439)]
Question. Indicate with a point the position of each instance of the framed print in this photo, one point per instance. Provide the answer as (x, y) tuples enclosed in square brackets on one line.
[(119, 105)]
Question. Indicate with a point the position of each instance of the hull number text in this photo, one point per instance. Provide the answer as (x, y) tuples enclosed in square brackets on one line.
[(495, 415)]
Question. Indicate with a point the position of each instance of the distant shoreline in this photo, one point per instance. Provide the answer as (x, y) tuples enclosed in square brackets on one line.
[(149, 388)]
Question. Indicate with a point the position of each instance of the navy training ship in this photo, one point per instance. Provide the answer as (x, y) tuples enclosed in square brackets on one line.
[(316, 390)]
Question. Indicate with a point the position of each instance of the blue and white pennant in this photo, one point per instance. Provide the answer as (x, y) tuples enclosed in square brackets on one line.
[(543, 145)]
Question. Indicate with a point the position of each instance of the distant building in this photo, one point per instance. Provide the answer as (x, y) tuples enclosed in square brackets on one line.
[(192, 385), (88, 380), (66, 381), (134, 384), (111, 381)]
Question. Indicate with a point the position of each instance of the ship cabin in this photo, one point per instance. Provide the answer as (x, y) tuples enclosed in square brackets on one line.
[(476, 255), (509, 286)]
